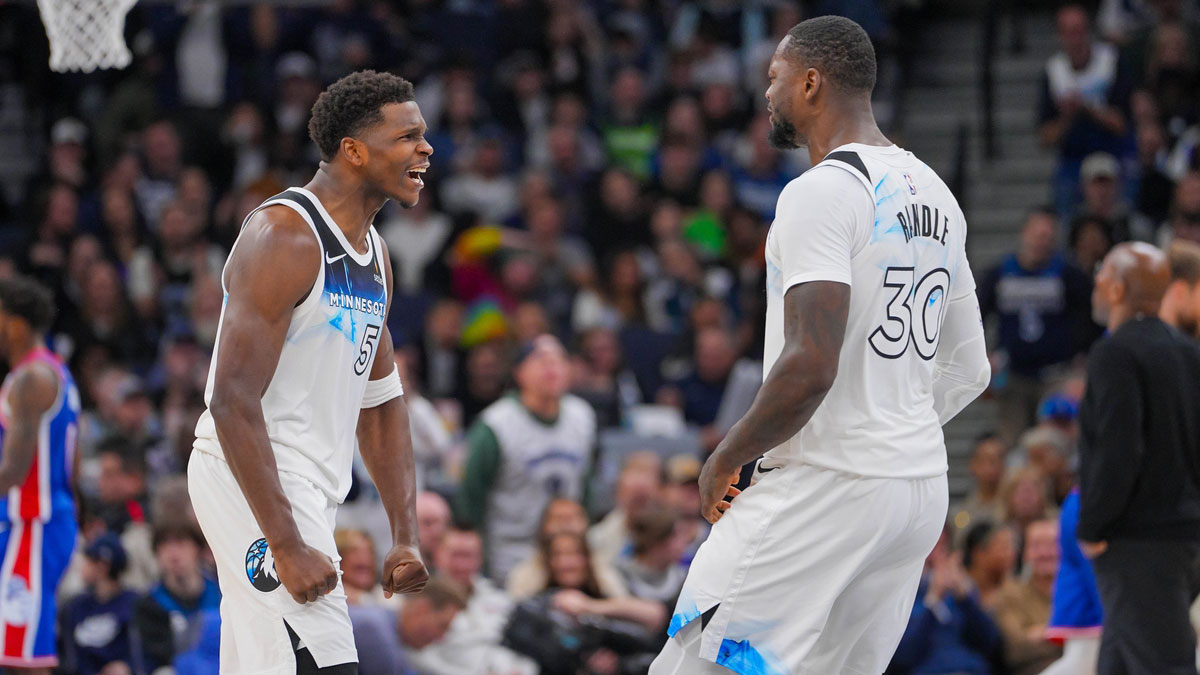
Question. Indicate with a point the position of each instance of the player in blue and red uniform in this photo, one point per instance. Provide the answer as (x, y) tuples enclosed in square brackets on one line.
[(1076, 617), (39, 413)]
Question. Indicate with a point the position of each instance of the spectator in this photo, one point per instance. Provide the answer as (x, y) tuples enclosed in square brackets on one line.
[(948, 631), (1100, 184), (1184, 222), (1047, 449), (653, 571), (637, 487), (441, 362), (682, 492), (562, 516), (162, 155), (472, 644), (601, 379), (97, 626), (576, 591), (433, 519), (1025, 495), (416, 239), (987, 469), (617, 216), (525, 450), (169, 620), (989, 556), (1139, 486), (629, 135), (386, 638), (1089, 241), (1181, 303), (484, 188), (360, 576), (1022, 608), (720, 389), (617, 299), (1040, 302), (1084, 105)]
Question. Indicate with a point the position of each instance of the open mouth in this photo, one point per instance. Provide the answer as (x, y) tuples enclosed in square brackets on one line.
[(414, 174)]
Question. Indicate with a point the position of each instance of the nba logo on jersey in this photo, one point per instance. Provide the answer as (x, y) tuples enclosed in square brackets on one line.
[(912, 187)]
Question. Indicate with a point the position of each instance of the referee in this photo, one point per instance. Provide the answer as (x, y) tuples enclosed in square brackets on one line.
[(1140, 469)]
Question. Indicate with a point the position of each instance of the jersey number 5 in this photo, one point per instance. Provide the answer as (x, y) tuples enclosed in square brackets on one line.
[(367, 349), (892, 337)]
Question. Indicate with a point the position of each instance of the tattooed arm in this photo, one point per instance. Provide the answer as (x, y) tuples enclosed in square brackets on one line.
[(814, 323)]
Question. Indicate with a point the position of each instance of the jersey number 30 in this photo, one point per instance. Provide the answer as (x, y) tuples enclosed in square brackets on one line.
[(920, 326), (367, 349)]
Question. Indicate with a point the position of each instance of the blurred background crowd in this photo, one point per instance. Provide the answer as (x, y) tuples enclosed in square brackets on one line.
[(602, 176)]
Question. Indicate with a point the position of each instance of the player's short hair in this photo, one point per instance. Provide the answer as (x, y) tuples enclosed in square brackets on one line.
[(839, 48), (25, 298), (352, 104), (442, 593), (1184, 258)]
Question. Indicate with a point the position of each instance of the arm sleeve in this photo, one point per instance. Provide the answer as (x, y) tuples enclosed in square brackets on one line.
[(483, 462), (820, 223), (1112, 446), (961, 368)]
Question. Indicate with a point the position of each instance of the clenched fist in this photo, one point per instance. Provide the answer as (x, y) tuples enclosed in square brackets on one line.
[(403, 571), (305, 572)]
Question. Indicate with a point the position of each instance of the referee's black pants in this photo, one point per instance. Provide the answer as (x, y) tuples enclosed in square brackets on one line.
[(1147, 587)]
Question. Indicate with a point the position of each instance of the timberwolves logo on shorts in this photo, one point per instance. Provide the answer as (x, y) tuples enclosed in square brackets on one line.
[(260, 567)]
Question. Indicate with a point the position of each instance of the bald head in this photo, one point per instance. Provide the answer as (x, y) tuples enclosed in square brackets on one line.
[(1132, 280)]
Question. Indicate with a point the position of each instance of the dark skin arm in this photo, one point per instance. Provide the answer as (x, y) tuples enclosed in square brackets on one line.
[(814, 324), (386, 446), (34, 390), (272, 268)]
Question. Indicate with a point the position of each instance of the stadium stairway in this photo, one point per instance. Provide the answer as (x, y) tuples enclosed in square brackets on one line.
[(944, 95)]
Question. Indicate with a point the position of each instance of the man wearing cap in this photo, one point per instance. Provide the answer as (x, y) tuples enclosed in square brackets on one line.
[(97, 624), (523, 451), (1100, 185)]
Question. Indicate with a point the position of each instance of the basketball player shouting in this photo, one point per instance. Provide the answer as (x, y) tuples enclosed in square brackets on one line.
[(302, 346), (873, 341)]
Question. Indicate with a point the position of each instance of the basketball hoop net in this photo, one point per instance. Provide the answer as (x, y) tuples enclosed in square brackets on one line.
[(86, 34)]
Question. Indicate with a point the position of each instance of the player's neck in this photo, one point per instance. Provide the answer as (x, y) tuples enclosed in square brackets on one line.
[(20, 351), (849, 122), (349, 203)]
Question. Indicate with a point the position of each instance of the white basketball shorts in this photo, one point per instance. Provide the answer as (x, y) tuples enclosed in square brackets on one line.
[(810, 572), (254, 605)]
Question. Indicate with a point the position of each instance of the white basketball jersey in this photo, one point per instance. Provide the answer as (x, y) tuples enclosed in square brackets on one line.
[(881, 221), (311, 405)]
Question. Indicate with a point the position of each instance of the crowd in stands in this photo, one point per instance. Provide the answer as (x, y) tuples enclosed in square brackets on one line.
[(585, 269)]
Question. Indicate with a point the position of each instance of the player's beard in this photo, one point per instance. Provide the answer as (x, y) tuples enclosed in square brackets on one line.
[(783, 135)]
